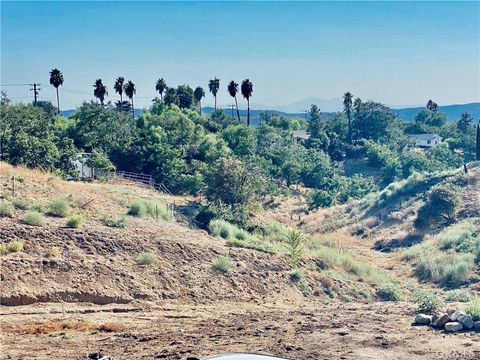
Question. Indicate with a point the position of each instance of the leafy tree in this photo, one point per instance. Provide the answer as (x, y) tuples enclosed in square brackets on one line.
[(123, 106), (100, 90), (432, 106), (465, 122), (347, 109), (241, 139), (315, 125), (130, 91), (171, 97), (213, 86), (233, 90), (232, 183), (431, 118), (247, 91), (199, 93), (48, 107), (56, 79), (374, 121), (442, 203), (161, 86), (185, 96), (118, 86)]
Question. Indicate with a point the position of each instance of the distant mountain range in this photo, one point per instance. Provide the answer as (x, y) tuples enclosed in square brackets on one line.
[(453, 111)]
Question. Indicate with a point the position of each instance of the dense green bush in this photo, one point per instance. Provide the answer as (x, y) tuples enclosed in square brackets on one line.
[(473, 309), (58, 207), (389, 292), (33, 218), (442, 203), (74, 221), (428, 303), (21, 203), (146, 258), (221, 228), (115, 223), (6, 208), (222, 265)]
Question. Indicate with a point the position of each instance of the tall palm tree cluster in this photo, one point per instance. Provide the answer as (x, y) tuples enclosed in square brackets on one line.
[(167, 95)]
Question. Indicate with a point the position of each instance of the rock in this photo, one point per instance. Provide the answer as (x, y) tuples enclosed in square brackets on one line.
[(476, 326), (422, 319), (466, 321), (439, 320), (450, 311), (453, 326), (454, 316)]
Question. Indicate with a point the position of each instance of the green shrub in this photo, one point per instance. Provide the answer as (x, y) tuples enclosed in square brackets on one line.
[(33, 218), (320, 198), (221, 228), (241, 234), (222, 265), (74, 221), (473, 309), (428, 303), (119, 223), (146, 258), (22, 204), (136, 209), (455, 236), (296, 275), (155, 210), (253, 244), (445, 269), (442, 203), (389, 292), (6, 208), (458, 295), (3, 249), (15, 246), (58, 207), (294, 243)]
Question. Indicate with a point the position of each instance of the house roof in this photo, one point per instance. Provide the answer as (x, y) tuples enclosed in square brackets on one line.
[(300, 134), (425, 136)]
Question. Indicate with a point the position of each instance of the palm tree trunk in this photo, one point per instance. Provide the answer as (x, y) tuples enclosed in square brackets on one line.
[(133, 109), (238, 113), (215, 102), (121, 99), (161, 97), (248, 112), (200, 104), (58, 103), (349, 129)]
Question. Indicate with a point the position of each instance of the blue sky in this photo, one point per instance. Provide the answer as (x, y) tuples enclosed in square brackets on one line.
[(399, 53)]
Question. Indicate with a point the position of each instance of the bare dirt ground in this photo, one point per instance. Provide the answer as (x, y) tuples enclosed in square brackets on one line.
[(308, 330)]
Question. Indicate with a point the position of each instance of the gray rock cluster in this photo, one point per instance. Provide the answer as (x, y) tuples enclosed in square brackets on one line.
[(451, 321)]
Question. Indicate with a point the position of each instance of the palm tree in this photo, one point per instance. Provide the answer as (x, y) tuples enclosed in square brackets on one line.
[(56, 79), (233, 90), (247, 90), (99, 90), (199, 94), (119, 87), (213, 86), (161, 86), (347, 109), (130, 90)]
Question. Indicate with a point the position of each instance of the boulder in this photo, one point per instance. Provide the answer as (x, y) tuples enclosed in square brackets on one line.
[(466, 321), (476, 326), (439, 320), (453, 326), (422, 319), (454, 316)]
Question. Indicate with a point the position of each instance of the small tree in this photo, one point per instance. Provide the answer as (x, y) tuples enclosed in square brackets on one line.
[(442, 203), (294, 241)]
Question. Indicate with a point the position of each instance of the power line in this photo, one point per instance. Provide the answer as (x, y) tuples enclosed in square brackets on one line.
[(4, 85)]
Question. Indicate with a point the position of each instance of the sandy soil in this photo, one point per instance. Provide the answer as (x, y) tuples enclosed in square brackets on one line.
[(307, 330)]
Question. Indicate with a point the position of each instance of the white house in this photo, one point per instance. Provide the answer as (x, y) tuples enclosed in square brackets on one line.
[(300, 135), (80, 162), (426, 140)]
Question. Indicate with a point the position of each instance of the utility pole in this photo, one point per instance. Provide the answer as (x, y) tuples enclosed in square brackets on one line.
[(35, 88)]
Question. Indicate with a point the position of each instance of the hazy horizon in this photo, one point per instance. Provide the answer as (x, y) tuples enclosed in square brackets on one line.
[(400, 54)]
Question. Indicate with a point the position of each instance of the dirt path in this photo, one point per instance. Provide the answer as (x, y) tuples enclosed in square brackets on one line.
[(309, 331)]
